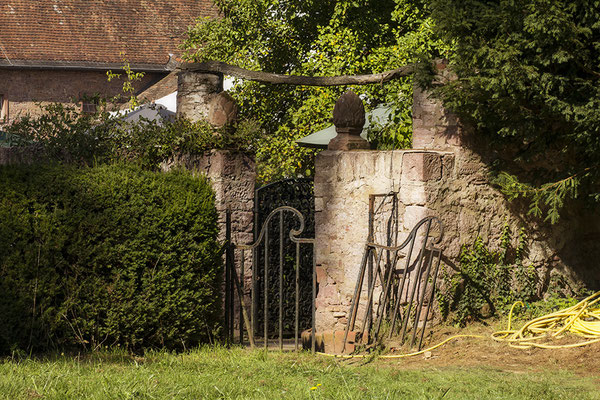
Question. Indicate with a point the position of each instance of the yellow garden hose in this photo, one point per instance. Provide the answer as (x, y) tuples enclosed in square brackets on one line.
[(416, 353), (582, 319)]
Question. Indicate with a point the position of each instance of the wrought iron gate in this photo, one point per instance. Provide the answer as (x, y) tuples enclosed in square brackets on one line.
[(283, 269)]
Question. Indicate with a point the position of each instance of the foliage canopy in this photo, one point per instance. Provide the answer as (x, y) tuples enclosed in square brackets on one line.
[(529, 80), (315, 38)]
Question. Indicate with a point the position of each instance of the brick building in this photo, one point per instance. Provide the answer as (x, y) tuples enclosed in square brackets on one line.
[(60, 50)]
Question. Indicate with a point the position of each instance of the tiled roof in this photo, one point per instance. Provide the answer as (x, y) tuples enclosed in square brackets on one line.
[(96, 30)]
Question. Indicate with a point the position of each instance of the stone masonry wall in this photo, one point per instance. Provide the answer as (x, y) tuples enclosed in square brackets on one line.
[(445, 175), (343, 182), (470, 206)]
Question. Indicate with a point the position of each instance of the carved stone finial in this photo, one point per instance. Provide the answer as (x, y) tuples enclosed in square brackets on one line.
[(349, 119), (222, 110)]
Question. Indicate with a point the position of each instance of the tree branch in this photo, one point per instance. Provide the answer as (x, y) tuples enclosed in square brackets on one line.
[(277, 79)]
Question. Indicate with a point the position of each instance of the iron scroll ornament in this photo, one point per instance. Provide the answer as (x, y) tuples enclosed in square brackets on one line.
[(293, 232), (294, 236)]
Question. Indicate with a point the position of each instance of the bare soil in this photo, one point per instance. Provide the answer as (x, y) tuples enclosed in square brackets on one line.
[(485, 352)]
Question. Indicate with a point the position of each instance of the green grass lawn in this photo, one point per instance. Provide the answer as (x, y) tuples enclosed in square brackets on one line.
[(243, 374)]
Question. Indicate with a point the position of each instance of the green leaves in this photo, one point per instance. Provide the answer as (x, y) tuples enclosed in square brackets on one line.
[(104, 256), (68, 135), (488, 281), (528, 81), (315, 38), (549, 196)]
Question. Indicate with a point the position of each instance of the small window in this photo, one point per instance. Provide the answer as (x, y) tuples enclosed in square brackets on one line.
[(89, 104), (3, 108)]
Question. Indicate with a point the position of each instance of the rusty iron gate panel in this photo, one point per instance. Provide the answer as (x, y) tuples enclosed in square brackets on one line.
[(277, 282), (404, 275)]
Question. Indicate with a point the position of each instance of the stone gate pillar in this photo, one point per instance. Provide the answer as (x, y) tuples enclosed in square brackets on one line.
[(200, 96), (345, 178), (195, 90)]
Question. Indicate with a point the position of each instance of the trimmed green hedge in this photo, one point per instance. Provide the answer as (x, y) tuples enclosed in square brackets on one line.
[(109, 255)]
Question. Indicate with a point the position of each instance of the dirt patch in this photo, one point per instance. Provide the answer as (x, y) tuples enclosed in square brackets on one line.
[(485, 352)]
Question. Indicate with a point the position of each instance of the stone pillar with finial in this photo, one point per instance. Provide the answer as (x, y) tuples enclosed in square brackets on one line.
[(349, 120)]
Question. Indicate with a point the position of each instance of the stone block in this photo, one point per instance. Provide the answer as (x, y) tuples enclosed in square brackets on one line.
[(319, 203), (422, 166), (413, 194), (346, 167), (447, 165), (423, 137), (364, 164), (396, 163), (332, 341), (383, 162), (321, 274)]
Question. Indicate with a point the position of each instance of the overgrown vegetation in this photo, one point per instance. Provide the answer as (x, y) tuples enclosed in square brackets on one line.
[(106, 256), (71, 136), (487, 281), (315, 38), (528, 76), (129, 77)]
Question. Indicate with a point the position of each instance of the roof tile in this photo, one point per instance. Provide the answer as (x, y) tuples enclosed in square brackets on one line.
[(97, 30)]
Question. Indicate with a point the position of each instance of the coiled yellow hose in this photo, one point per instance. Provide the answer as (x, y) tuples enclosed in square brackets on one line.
[(582, 319)]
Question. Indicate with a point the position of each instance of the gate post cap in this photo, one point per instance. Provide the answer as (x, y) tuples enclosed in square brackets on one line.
[(349, 114), (349, 120)]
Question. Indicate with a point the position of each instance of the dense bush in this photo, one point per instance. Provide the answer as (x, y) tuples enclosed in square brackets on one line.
[(69, 135), (109, 255)]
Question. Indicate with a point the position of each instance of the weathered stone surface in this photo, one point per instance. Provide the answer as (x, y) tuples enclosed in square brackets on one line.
[(195, 91), (343, 183), (349, 114), (332, 342), (422, 166), (222, 110), (434, 128)]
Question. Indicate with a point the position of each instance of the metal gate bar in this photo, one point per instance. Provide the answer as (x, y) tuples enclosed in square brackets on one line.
[(394, 284), (231, 277)]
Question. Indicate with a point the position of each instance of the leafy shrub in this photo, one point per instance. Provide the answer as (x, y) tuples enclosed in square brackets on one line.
[(488, 281), (68, 135), (108, 255)]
